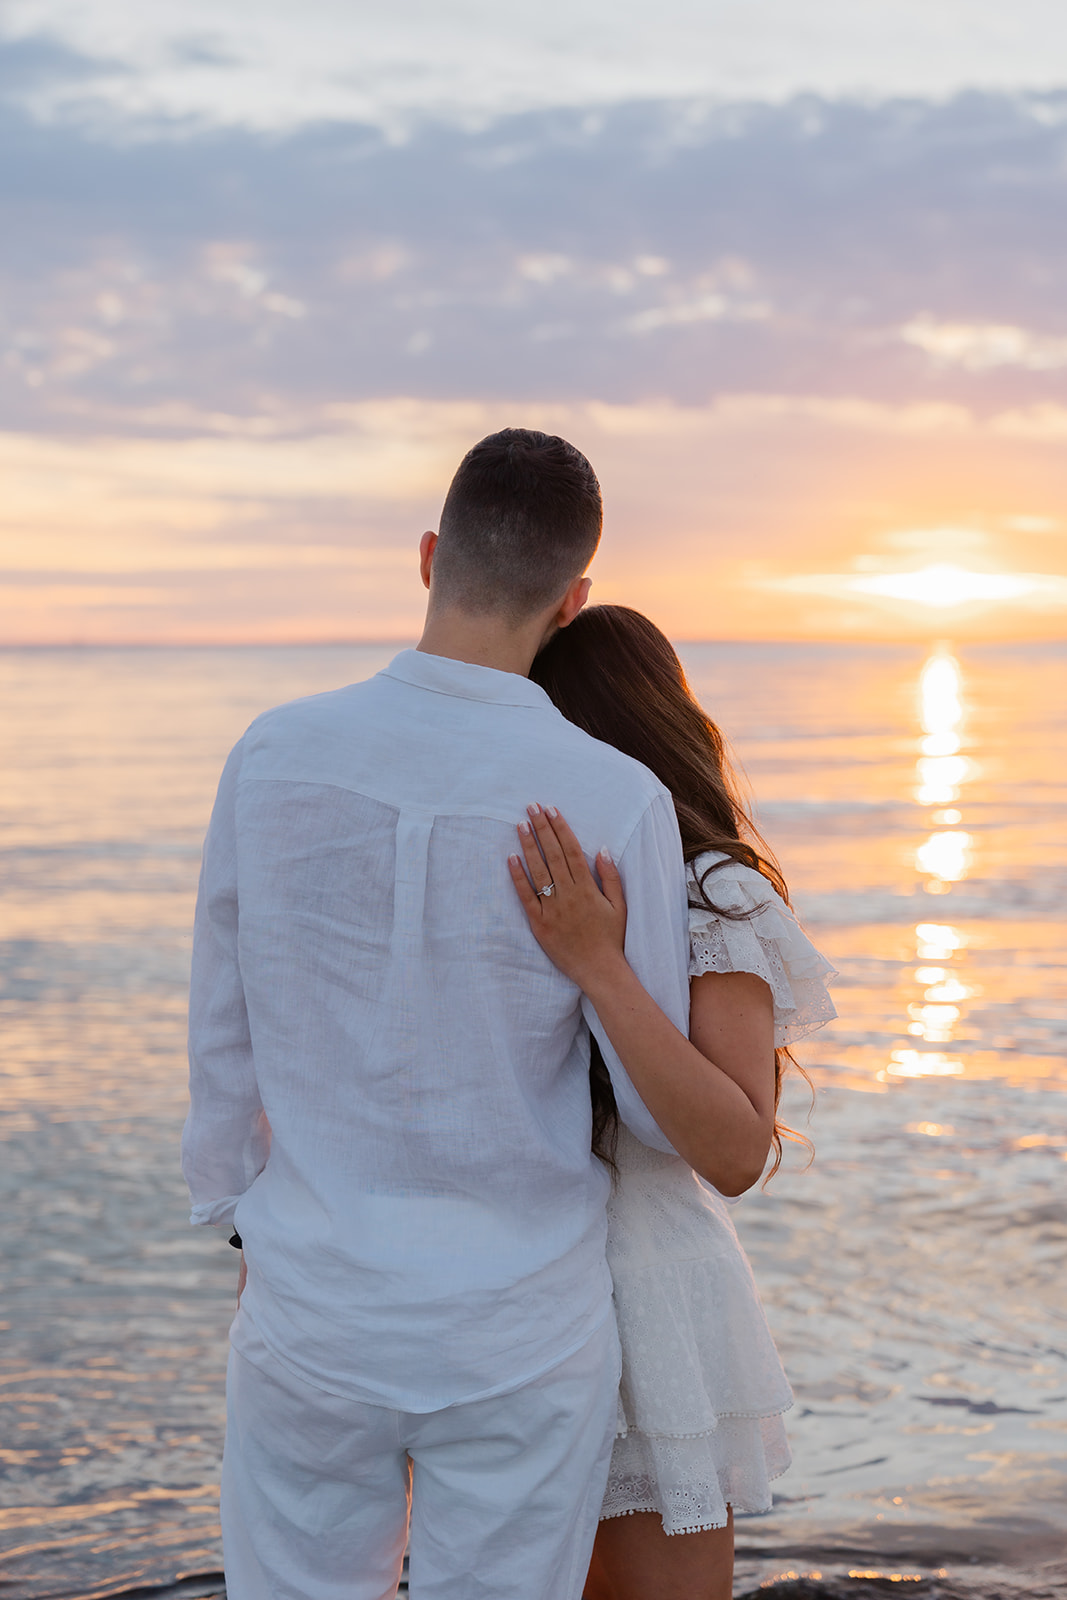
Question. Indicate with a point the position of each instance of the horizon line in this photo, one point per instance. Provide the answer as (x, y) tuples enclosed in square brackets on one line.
[(939, 639)]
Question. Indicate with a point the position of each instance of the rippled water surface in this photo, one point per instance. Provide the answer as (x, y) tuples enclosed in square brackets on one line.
[(914, 1276)]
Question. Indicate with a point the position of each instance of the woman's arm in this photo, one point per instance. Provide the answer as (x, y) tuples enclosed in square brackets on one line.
[(713, 1093)]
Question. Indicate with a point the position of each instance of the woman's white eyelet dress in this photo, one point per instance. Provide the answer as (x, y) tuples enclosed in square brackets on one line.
[(703, 1391)]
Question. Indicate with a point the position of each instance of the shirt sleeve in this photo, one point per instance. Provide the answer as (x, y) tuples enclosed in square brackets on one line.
[(227, 1138), (657, 948)]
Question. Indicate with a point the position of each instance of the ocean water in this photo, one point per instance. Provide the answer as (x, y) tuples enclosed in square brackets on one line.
[(914, 1275)]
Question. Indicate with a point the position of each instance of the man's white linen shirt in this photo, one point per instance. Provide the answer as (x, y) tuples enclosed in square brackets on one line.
[(388, 1077)]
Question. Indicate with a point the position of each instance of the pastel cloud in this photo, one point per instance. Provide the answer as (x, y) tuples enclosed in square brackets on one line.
[(983, 346), (797, 339), (759, 249), (276, 66)]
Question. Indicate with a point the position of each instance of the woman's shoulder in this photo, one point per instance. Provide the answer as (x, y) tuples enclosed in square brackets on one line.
[(761, 936), (730, 884)]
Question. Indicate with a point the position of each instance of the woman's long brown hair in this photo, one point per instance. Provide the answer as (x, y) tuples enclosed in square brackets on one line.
[(617, 676)]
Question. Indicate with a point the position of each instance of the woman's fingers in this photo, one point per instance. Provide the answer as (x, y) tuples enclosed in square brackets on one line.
[(549, 835), (573, 853), (535, 861), (522, 885), (610, 881), (551, 848)]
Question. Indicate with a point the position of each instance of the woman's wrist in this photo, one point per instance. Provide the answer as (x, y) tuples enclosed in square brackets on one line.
[(605, 979)]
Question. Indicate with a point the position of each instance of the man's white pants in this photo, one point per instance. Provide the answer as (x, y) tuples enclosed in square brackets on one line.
[(503, 1494)]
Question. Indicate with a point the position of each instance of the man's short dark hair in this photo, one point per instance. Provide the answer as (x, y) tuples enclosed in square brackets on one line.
[(521, 521)]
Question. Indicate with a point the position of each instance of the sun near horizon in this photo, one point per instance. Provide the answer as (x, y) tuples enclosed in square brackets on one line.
[(742, 522)]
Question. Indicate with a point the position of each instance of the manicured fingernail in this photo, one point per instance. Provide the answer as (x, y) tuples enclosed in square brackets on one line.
[(551, 811), (513, 861), (524, 827), (534, 810), (605, 855)]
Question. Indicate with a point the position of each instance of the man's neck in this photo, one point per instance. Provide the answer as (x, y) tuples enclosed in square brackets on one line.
[(483, 641)]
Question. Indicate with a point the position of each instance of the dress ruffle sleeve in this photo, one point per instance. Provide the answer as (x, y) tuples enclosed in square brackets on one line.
[(767, 941)]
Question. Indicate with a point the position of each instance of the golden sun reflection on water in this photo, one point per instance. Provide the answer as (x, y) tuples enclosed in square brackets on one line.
[(835, 771), (940, 769), (944, 858), (922, 1064), (937, 941)]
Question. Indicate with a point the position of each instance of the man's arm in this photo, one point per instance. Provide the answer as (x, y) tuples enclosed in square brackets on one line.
[(226, 1139), (657, 948)]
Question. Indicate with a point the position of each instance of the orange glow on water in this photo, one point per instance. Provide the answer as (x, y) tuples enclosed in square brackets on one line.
[(936, 965), (923, 1064), (939, 688), (99, 860), (941, 770), (945, 856), (938, 941)]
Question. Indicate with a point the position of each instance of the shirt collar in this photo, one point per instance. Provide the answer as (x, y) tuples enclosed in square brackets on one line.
[(464, 681)]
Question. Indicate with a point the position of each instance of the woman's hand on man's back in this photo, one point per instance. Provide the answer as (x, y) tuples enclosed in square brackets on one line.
[(580, 925)]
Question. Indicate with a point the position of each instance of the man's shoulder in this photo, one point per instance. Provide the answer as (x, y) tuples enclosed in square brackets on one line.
[(609, 759), (295, 717), (607, 776)]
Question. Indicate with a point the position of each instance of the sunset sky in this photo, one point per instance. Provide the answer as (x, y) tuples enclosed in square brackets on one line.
[(791, 272)]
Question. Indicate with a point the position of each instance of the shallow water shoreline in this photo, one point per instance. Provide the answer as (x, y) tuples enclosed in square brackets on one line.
[(830, 1581), (853, 1584), (914, 1277), (855, 1581)]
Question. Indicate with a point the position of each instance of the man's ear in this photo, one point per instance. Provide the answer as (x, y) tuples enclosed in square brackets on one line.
[(427, 546), (572, 603)]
